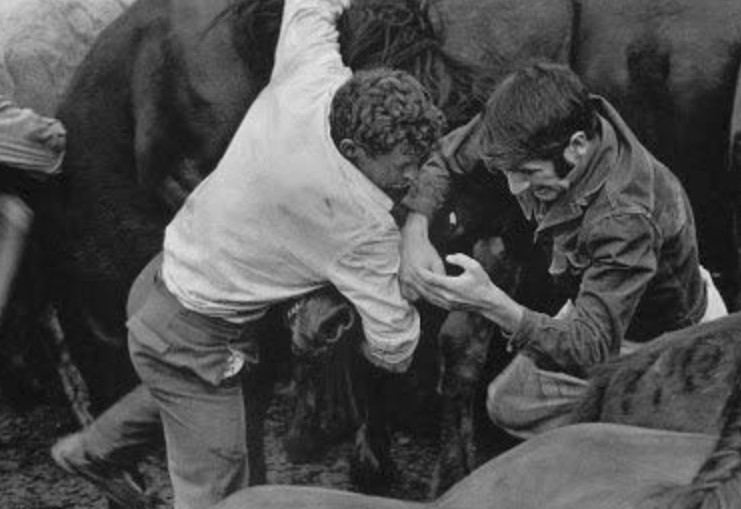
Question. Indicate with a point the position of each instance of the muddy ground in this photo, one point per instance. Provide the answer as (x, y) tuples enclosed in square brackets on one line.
[(30, 480)]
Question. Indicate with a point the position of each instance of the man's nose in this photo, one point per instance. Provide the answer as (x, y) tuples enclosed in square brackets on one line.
[(517, 183)]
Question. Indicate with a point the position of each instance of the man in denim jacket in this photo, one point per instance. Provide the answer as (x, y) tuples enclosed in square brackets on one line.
[(617, 222)]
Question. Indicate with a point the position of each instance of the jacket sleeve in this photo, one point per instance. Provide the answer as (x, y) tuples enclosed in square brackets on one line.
[(29, 141), (457, 154), (368, 276), (622, 261)]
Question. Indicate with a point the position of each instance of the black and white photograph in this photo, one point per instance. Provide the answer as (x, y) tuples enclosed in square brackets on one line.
[(370, 254)]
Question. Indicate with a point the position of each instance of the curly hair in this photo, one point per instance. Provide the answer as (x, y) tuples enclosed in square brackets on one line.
[(380, 108)]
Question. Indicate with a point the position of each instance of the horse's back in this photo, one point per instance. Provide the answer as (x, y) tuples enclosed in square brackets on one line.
[(595, 466), (42, 42), (503, 33)]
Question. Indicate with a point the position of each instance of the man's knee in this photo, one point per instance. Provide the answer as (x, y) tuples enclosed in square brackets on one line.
[(525, 400), (502, 399)]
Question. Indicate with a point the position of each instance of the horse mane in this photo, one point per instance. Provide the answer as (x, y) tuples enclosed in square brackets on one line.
[(255, 25), (401, 34)]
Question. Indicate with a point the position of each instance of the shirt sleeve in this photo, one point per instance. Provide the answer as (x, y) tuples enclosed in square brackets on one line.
[(457, 154), (308, 37), (368, 276), (29, 141), (623, 262)]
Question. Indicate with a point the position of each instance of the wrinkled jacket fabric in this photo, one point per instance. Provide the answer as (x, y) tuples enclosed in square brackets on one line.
[(621, 240)]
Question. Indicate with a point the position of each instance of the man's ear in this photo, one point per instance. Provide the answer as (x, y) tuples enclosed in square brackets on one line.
[(577, 148), (351, 150)]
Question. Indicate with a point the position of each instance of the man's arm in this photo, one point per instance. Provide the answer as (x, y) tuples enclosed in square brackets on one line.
[(623, 263), (308, 37), (457, 154), (29, 141), (367, 276)]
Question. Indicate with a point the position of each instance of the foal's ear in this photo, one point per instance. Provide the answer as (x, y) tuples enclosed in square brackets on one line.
[(337, 323)]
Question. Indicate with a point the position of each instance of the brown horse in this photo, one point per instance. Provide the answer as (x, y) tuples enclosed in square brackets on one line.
[(41, 44), (585, 466), (672, 69)]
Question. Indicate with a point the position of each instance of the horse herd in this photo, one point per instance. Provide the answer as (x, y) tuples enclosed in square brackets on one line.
[(153, 106)]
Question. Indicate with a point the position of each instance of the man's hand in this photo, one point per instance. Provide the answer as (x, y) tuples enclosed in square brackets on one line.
[(417, 255), (472, 290)]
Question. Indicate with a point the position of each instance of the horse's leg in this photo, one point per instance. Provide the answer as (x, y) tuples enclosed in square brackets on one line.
[(734, 168), (464, 342), (272, 350), (304, 439), (371, 468), (258, 391)]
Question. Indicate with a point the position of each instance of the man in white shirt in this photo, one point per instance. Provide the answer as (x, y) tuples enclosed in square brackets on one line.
[(301, 198)]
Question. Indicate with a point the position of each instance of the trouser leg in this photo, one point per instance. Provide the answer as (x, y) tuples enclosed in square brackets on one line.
[(184, 359), (525, 400), (127, 431), (204, 430), (129, 428)]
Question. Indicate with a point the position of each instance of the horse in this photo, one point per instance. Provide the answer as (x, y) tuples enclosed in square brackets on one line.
[(41, 44), (672, 69), (688, 381), (583, 466)]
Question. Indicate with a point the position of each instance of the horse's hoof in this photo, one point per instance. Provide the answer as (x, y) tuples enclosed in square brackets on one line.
[(372, 476)]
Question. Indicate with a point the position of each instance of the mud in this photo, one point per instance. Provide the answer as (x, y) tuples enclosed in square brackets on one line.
[(29, 479)]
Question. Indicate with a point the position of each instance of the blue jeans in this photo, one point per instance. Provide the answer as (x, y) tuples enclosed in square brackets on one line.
[(183, 358)]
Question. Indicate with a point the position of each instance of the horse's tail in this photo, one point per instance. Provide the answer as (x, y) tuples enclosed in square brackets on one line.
[(717, 485)]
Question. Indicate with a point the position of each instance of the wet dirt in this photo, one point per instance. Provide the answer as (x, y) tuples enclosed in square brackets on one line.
[(29, 479)]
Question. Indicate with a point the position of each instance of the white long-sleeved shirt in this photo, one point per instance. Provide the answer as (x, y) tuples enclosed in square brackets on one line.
[(284, 212)]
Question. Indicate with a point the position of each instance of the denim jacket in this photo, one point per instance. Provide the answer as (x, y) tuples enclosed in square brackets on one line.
[(621, 240)]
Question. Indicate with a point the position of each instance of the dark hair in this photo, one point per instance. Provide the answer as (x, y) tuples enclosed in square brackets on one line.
[(381, 108), (532, 115)]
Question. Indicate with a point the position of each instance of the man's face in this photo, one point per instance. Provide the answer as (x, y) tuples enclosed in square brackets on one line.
[(392, 172), (539, 177)]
